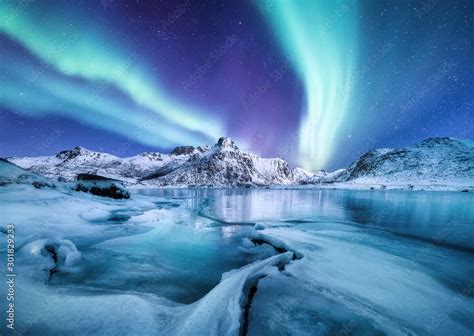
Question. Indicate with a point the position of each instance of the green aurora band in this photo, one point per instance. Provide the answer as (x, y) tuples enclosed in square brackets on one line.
[(76, 51), (319, 38)]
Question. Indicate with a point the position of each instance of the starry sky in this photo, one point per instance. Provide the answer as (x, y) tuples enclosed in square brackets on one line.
[(317, 82)]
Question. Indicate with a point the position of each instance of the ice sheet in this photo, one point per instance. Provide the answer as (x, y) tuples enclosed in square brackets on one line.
[(184, 262)]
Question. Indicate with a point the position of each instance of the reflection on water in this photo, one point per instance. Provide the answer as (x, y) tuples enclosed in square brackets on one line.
[(441, 217), (373, 263), (399, 256)]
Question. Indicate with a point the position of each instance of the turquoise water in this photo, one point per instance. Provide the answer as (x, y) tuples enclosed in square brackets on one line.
[(433, 231), (374, 262), (443, 218)]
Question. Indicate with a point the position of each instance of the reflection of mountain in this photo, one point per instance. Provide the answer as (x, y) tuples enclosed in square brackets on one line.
[(420, 215), (261, 205), (445, 219)]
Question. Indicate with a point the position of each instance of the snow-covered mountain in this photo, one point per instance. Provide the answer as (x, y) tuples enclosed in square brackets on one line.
[(324, 177), (301, 175), (223, 164), (433, 162), (66, 165), (12, 174)]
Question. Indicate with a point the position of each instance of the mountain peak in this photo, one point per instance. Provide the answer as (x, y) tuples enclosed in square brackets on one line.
[(180, 150), (438, 141), (227, 143), (71, 153), (447, 141)]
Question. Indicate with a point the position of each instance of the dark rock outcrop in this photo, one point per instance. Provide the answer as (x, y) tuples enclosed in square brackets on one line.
[(101, 186)]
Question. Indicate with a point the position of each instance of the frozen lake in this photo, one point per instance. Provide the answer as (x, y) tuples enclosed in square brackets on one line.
[(298, 262), (442, 217)]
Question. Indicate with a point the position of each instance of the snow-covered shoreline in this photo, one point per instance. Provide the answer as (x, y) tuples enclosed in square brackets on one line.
[(383, 187), (68, 240), (454, 187), (82, 255)]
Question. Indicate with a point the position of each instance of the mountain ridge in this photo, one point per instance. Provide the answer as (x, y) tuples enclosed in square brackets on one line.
[(223, 164), (441, 160), (433, 161)]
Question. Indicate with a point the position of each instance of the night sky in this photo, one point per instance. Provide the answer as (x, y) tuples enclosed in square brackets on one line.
[(316, 82)]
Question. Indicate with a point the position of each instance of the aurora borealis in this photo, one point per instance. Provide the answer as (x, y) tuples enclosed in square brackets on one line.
[(322, 55), (86, 53), (316, 82)]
